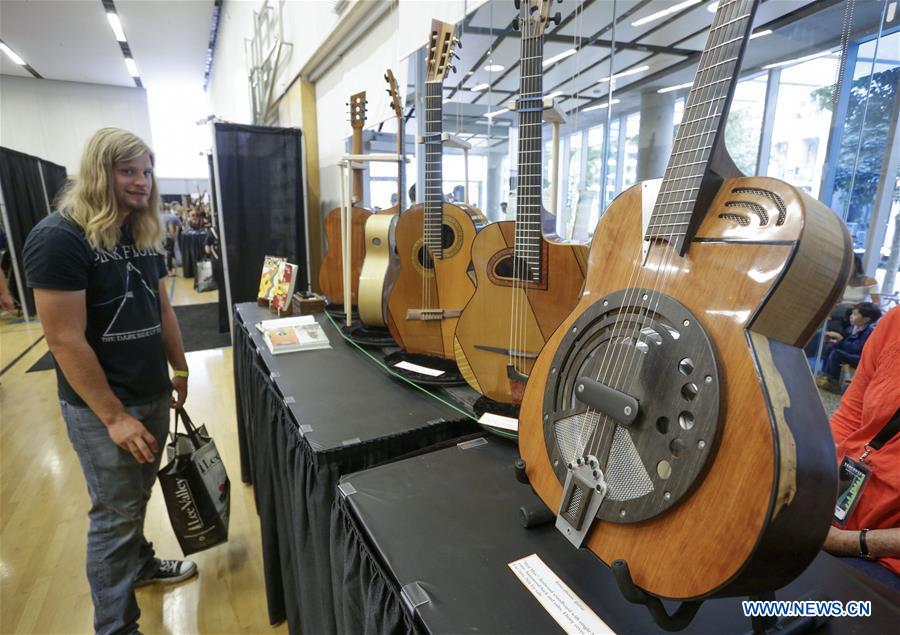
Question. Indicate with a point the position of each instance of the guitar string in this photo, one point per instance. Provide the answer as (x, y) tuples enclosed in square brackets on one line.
[(532, 87), (664, 271), (513, 308), (521, 189), (580, 445)]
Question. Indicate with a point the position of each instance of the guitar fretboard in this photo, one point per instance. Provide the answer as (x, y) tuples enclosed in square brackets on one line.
[(434, 182), (677, 212), (529, 107)]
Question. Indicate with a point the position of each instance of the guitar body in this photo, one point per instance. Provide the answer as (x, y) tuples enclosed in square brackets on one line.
[(759, 279), (482, 339), (379, 267), (446, 285), (331, 273)]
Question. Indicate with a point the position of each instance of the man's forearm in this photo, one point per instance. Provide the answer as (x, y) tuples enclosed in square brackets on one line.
[(882, 543), (172, 340), (82, 370)]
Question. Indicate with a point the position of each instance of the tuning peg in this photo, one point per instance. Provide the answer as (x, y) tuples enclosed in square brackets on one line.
[(454, 54), (515, 25), (456, 42), (518, 4), (557, 18), (452, 68)]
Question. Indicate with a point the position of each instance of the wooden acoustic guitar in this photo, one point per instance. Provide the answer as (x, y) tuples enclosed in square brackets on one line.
[(526, 280), (672, 421), (434, 240), (379, 269), (331, 273)]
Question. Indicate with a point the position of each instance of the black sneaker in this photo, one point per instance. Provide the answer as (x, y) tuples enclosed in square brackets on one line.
[(169, 571)]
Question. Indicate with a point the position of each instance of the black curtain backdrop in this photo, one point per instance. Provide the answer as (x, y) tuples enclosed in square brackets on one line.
[(261, 209), (23, 194), (54, 179)]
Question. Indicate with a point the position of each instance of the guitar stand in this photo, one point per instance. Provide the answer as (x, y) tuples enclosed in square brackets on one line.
[(367, 336), (337, 312), (450, 377), (483, 405), (538, 515)]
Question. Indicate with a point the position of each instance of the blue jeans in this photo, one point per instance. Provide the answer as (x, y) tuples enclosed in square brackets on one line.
[(119, 487), (833, 362)]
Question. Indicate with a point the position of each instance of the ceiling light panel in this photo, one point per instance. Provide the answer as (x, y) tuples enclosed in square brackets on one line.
[(653, 17), (599, 106), (132, 67), (12, 55), (116, 25)]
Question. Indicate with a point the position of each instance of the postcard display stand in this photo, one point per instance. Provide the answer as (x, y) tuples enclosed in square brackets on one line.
[(259, 176)]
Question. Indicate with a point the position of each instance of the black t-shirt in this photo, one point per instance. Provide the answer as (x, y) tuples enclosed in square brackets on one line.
[(123, 312)]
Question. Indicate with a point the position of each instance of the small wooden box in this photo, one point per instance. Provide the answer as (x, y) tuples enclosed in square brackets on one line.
[(307, 305)]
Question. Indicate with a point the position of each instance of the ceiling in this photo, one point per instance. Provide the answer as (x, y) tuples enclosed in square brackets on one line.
[(670, 47), (71, 40)]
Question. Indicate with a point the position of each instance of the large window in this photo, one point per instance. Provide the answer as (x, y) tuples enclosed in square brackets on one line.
[(869, 116), (802, 121), (454, 166), (630, 160), (745, 120)]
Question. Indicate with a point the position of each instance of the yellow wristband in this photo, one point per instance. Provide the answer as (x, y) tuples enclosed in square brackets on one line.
[(181, 373)]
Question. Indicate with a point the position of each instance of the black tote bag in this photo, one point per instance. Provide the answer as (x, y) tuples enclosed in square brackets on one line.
[(196, 488)]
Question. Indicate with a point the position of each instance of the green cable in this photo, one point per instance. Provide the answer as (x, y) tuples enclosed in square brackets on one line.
[(397, 375)]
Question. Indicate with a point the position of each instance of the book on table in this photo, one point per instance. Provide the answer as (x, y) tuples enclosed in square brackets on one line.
[(283, 287), (271, 265), (288, 335)]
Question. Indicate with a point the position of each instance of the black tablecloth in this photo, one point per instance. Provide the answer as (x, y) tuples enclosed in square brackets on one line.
[(192, 241), (423, 545), (304, 419)]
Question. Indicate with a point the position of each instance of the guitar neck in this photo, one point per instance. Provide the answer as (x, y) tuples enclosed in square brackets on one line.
[(529, 108), (434, 182), (401, 164), (357, 148), (690, 183)]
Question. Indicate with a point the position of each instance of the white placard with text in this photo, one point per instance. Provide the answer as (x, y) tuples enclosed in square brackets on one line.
[(573, 615)]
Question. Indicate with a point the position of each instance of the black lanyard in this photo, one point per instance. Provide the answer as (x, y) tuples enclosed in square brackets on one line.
[(888, 432)]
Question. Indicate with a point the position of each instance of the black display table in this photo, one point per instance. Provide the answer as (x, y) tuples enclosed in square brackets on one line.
[(304, 419), (423, 545), (192, 241)]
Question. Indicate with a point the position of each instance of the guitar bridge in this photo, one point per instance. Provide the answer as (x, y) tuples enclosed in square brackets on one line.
[(427, 315), (584, 491)]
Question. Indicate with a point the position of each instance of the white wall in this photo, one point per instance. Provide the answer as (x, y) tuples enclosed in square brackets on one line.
[(53, 120), (183, 186), (307, 25)]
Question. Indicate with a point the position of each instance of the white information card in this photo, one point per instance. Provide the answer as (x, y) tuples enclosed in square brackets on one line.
[(557, 598), (422, 370)]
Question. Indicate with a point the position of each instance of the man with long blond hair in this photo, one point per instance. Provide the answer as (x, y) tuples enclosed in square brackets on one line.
[(98, 279)]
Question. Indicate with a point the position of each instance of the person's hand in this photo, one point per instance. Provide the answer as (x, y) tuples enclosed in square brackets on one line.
[(833, 336), (180, 386), (130, 434), (7, 301)]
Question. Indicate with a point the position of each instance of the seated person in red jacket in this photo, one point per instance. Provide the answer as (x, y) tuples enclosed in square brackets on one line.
[(873, 399), (846, 348)]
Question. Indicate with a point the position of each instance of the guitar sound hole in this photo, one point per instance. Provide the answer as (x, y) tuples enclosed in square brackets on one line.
[(425, 258), (448, 236), (510, 269)]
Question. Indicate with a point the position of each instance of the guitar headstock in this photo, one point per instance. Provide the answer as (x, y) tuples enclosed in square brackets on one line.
[(534, 16), (394, 92), (358, 110), (440, 51)]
